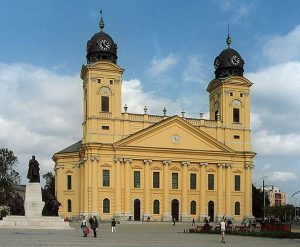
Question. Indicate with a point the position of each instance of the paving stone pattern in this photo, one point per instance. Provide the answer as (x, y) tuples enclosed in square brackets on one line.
[(144, 234)]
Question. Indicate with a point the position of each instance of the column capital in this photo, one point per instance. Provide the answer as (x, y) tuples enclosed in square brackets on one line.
[(147, 162), (221, 165), (185, 163), (249, 166), (118, 159), (95, 158), (203, 164), (227, 165), (127, 160), (166, 162)]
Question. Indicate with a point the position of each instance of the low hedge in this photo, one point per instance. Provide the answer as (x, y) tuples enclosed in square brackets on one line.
[(268, 234)]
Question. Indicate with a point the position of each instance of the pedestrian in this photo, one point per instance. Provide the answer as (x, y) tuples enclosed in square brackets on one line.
[(113, 226), (94, 225), (223, 228), (193, 223), (83, 226), (174, 221)]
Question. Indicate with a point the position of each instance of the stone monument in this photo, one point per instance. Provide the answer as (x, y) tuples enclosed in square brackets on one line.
[(34, 205)]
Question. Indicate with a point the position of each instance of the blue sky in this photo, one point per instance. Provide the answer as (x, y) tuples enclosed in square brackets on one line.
[(167, 48)]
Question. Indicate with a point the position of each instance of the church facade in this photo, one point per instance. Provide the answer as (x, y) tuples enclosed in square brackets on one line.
[(149, 167)]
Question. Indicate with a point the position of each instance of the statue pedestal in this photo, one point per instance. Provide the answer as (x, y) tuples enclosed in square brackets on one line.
[(33, 218), (33, 204)]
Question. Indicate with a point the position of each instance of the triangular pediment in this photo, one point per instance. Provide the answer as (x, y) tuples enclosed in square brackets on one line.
[(174, 133)]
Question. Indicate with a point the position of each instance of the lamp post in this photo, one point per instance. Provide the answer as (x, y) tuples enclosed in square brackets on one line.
[(264, 194)]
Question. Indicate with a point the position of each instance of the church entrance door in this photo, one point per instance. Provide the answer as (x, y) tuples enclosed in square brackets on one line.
[(211, 209), (175, 209), (137, 210)]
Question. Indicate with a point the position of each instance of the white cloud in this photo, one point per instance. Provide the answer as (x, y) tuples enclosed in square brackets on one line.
[(195, 71), (41, 112), (136, 99), (281, 49), (160, 66), (282, 176)]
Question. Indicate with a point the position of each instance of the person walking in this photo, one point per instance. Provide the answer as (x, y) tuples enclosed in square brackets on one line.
[(174, 221), (113, 226), (193, 222), (83, 226), (223, 228)]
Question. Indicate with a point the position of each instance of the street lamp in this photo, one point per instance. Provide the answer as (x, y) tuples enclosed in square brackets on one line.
[(296, 202), (264, 178)]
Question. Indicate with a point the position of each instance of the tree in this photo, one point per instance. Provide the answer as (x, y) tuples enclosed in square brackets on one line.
[(258, 202), (49, 187), (8, 175)]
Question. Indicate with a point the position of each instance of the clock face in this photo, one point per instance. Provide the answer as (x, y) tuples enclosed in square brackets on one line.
[(217, 63), (234, 60), (104, 44), (175, 139)]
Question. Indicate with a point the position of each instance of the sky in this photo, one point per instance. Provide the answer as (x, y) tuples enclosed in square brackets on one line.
[(167, 48)]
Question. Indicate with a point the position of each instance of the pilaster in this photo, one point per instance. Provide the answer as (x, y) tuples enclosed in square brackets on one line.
[(184, 191), (220, 212), (166, 210), (203, 203), (127, 179), (118, 213), (228, 191), (147, 189)]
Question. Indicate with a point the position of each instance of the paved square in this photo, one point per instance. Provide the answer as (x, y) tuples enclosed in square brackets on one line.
[(146, 234)]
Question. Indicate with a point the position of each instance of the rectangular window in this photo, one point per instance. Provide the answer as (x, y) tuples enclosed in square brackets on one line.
[(69, 206), (237, 182), (236, 137), (69, 182), (211, 178), (236, 115), (155, 179), (104, 127), (137, 179), (193, 182), (106, 174), (104, 103), (174, 180)]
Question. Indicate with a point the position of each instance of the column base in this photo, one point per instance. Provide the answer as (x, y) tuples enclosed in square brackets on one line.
[(184, 218), (128, 217), (203, 217), (167, 217), (147, 217), (94, 214), (118, 217), (249, 217), (219, 217)]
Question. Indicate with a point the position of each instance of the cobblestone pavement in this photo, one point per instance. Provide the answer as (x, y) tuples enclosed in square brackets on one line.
[(146, 234)]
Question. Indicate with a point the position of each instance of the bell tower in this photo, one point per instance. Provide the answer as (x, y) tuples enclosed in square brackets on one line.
[(102, 82), (229, 98)]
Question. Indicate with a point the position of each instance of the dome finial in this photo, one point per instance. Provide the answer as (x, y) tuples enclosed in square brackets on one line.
[(101, 23), (228, 40)]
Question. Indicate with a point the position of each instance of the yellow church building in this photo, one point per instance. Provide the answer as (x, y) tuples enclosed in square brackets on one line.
[(147, 167)]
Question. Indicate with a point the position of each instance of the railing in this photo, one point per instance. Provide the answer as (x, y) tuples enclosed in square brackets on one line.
[(155, 119), (210, 123), (193, 121), (105, 114), (136, 117)]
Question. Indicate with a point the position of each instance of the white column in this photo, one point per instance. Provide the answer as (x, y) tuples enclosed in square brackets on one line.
[(147, 190), (166, 212), (220, 212), (127, 179), (203, 187), (184, 192), (118, 198)]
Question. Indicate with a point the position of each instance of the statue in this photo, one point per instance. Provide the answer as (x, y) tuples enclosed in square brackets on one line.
[(51, 206), (33, 171)]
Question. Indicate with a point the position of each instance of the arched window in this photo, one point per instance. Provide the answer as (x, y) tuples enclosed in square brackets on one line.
[(156, 207), (69, 205), (105, 94), (236, 105), (237, 208), (193, 207), (106, 206)]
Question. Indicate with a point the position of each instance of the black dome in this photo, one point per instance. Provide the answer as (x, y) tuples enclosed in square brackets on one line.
[(101, 47), (229, 62)]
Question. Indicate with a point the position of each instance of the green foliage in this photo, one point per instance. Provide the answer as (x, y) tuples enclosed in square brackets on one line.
[(49, 187), (283, 212), (258, 202), (8, 175)]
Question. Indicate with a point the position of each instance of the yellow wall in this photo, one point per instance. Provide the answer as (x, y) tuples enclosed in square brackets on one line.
[(144, 143)]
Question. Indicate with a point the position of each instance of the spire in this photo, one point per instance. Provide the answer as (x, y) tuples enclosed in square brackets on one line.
[(101, 23), (228, 40)]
